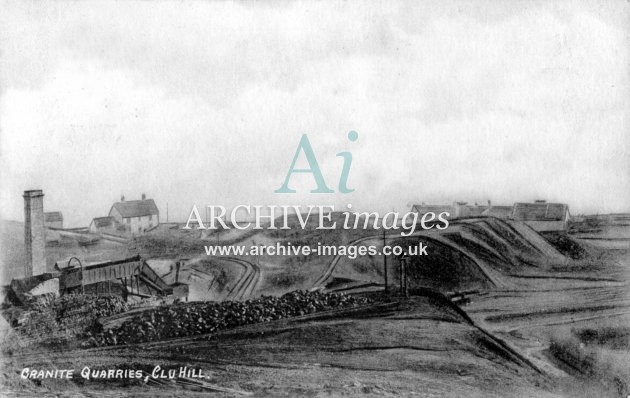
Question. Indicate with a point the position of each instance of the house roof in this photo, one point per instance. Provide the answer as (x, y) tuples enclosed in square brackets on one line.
[(422, 209), (102, 222), (136, 208), (472, 210), (52, 216), (499, 211), (540, 211)]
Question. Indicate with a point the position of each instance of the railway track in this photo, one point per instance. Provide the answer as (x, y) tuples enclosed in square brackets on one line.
[(430, 234), (333, 264), (248, 283)]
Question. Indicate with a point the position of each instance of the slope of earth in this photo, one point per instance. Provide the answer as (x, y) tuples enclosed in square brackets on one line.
[(475, 254), (551, 308), (422, 346)]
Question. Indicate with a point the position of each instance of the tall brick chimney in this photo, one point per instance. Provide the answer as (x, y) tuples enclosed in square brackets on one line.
[(34, 233)]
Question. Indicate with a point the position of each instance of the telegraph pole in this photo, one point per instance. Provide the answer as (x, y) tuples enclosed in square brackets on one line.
[(384, 262), (400, 274), (403, 276)]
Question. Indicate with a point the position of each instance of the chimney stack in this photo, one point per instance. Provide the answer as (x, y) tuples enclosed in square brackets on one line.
[(144, 197), (34, 233), (122, 198)]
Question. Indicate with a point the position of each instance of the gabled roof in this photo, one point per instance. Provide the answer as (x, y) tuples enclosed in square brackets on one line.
[(540, 211), (422, 209), (103, 222), (136, 208), (472, 210), (52, 216)]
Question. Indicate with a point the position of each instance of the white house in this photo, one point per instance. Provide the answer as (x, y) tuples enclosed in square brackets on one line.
[(137, 216)]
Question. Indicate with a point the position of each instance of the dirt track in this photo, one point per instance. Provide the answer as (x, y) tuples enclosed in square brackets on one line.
[(372, 350)]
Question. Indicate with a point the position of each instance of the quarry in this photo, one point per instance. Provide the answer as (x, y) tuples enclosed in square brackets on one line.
[(528, 301), (315, 199)]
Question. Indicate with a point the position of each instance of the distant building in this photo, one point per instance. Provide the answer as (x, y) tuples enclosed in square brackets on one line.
[(107, 225), (463, 209), (455, 210), (543, 216), (422, 209), (540, 215), (53, 219), (503, 212), (137, 216)]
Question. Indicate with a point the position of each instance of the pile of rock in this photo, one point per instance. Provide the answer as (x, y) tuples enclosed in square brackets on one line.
[(189, 319)]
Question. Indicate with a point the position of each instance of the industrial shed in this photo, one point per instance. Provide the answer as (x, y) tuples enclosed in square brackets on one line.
[(130, 276), (543, 216), (53, 219), (502, 212), (107, 225)]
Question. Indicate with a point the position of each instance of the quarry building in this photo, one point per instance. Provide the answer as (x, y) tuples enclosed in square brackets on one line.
[(543, 216), (107, 225), (540, 215), (34, 233), (53, 219), (455, 210), (126, 277), (133, 217)]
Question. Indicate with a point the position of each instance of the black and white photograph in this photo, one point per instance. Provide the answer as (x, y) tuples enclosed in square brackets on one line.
[(315, 198)]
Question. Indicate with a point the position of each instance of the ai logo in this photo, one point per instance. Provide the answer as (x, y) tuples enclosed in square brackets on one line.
[(305, 146)]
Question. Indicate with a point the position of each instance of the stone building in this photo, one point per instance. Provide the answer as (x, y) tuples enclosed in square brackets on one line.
[(53, 219), (137, 216), (107, 225), (34, 233)]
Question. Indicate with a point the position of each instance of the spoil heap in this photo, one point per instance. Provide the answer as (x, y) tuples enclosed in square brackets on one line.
[(189, 319), (57, 320)]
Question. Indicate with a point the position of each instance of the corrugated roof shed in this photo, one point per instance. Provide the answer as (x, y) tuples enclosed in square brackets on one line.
[(136, 208)]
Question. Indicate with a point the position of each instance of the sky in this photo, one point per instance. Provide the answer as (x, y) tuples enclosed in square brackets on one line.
[(204, 103)]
